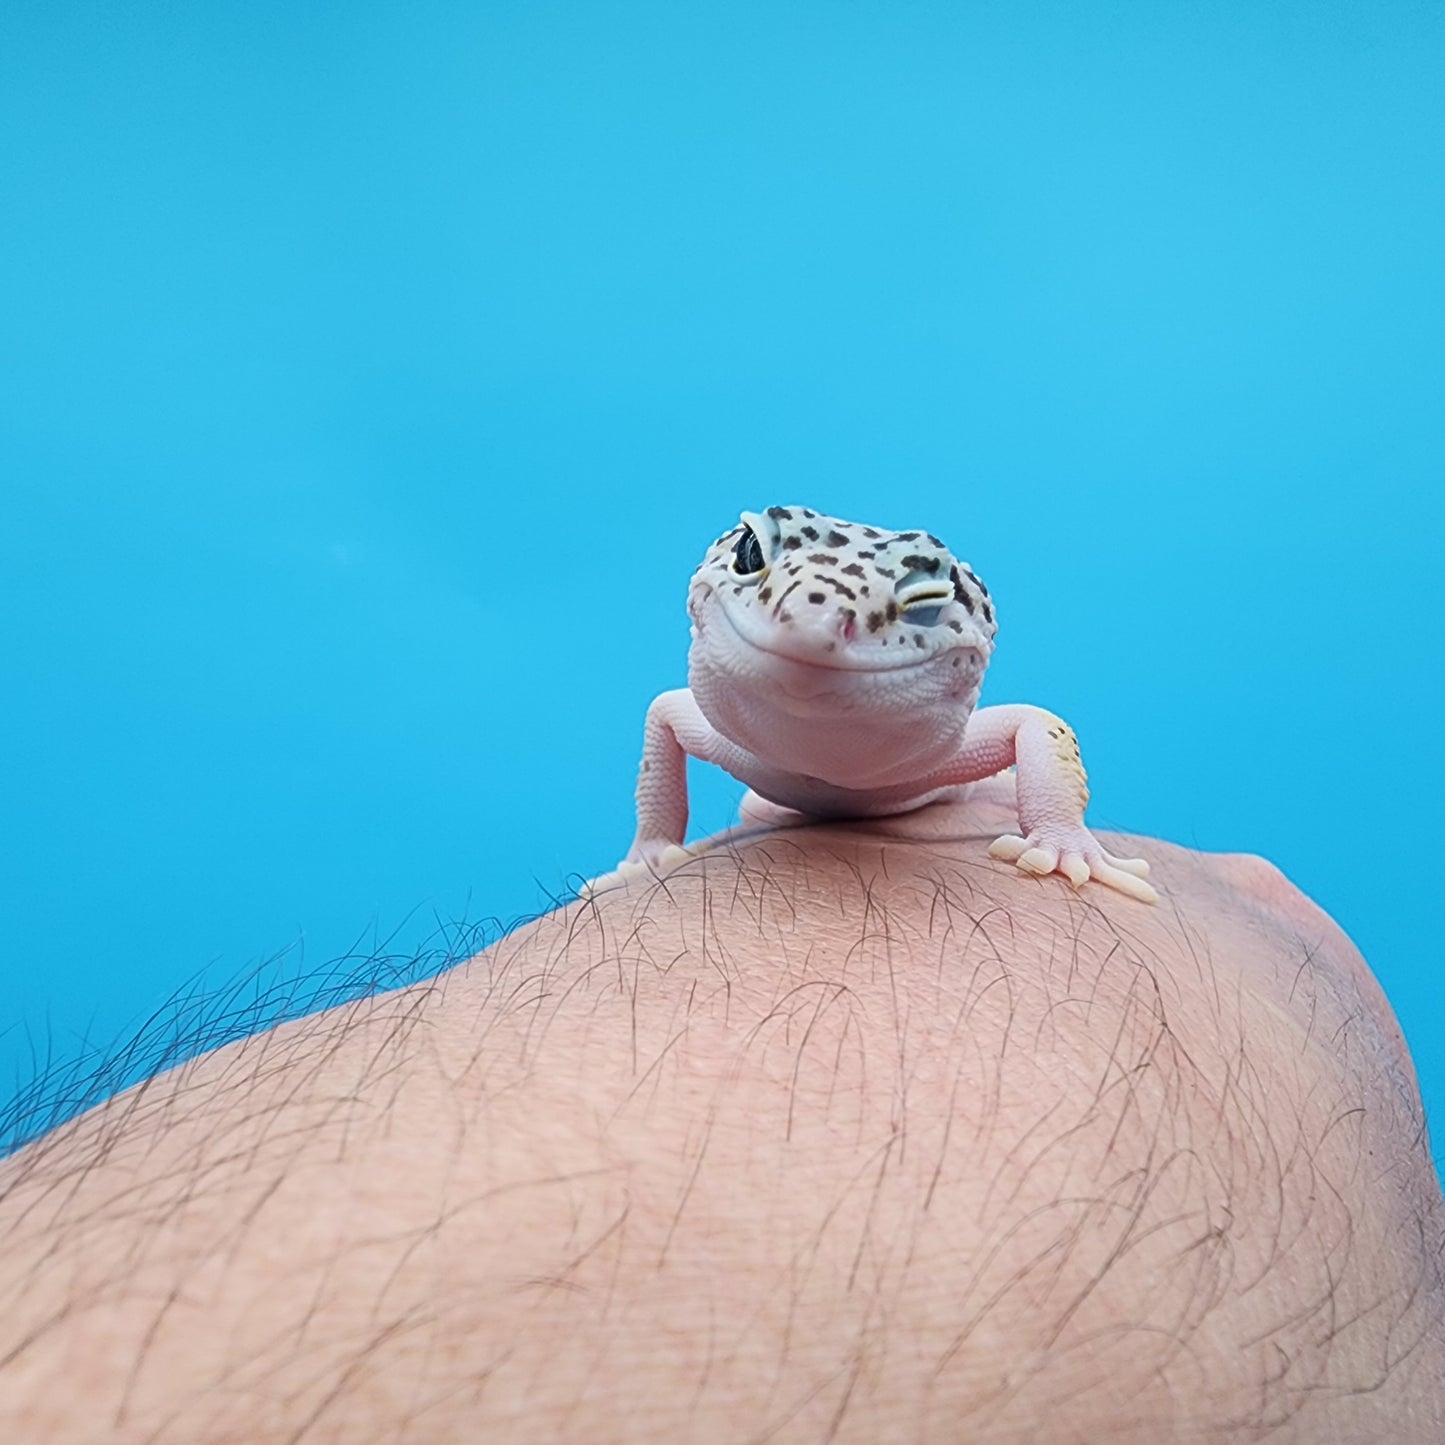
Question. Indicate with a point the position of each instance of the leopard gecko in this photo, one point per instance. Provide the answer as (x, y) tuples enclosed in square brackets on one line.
[(835, 669)]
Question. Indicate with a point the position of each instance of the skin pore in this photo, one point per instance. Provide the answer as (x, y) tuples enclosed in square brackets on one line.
[(842, 1133)]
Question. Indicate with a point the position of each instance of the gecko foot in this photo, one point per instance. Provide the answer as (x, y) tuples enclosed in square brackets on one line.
[(651, 860), (1070, 849)]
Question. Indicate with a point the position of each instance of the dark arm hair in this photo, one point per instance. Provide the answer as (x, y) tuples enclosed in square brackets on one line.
[(827, 1137)]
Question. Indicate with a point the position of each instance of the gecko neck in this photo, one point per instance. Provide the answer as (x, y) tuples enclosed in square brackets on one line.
[(827, 726)]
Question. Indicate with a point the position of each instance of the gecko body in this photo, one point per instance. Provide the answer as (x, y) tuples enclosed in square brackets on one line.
[(835, 668)]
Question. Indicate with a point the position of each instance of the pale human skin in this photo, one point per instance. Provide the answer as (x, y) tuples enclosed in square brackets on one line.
[(842, 1133)]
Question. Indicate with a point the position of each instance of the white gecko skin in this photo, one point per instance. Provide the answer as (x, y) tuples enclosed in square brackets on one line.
[(835, 669)]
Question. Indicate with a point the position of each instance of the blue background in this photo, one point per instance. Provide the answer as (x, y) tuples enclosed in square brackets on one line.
[(374, 375)]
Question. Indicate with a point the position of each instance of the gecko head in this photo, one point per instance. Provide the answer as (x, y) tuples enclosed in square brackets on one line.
[(815, 607)]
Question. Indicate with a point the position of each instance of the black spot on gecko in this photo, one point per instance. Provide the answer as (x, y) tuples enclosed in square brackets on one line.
[(823, 559), (811, 533), (892, 610), (841, 588), (987, 613), (835, 539), (780, 514), (916, 563), (875, 621), (977, 581), (907, 536), (887, 572), (766, 595), (809, 515), (854, 570), (792, 543), (956, 626), (918, 639), (869, 555), (817, 598), (937, 543), (960, 592), (869, 532), (792, 588)]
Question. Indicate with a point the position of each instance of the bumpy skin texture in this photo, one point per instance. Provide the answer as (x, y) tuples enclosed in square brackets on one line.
[(835, 669)]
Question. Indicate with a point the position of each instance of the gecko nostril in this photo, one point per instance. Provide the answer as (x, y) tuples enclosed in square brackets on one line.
[(850, 624)]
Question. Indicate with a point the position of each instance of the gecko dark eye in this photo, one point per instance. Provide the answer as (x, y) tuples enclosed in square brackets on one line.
[(748, 554)]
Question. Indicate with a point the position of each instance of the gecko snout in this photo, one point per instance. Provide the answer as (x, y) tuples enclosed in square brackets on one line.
[(824, 627)]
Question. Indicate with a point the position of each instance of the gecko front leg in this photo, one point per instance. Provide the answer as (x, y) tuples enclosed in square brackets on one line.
[(1053, 791), (675, 730)]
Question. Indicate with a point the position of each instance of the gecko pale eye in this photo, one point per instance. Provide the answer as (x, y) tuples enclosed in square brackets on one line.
[(748, 554), (923, 596)]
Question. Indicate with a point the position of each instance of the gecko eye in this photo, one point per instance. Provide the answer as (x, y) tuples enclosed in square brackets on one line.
[(923, 597), (748, 554)]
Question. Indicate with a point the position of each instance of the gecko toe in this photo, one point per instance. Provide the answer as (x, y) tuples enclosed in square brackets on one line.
[(1042, 860), (1139, 867), (1126, 882), (1008, 849), (617, 878)]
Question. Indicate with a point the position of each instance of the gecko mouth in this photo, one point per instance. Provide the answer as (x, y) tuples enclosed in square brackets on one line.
[(814, 655)]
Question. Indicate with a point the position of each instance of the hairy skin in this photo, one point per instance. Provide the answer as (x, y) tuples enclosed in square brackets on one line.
[(844, 1133)]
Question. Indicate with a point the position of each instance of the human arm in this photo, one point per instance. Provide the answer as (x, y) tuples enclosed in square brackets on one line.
[(837, 1130)]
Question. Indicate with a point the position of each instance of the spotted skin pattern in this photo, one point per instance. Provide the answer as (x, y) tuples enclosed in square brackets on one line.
[(835, 668)]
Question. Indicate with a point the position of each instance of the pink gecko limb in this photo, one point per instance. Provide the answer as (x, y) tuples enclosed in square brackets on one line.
[(1053, 791), (674, 731)]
